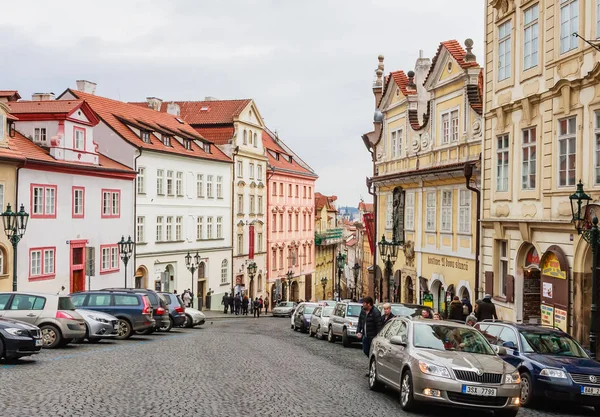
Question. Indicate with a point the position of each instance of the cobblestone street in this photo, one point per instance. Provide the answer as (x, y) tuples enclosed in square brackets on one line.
[(234, 366)]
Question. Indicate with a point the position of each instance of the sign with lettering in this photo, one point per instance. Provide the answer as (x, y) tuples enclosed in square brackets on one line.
[(448, 262), (532, 259), (547, 315), (428, 300), (560, 319), (551, 267), (239, 280)]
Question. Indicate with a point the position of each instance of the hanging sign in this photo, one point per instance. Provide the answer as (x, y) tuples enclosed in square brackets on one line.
[(532, 259), (551, 267)]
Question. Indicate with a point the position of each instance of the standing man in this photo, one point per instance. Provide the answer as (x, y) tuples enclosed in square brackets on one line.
[(231, 303), (266, 303), (387, 314), (225, 303), (486, 310), (256, 307), (369, 324)]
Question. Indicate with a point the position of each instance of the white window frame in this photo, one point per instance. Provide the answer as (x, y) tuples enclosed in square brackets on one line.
[(531, 37), (160, 229), (200, 228), (140, 231), (446, 212), (209, 186), (259, 170), (259, 202), (240, 243), (393, 143), (240, 169), (219, 227), (240, 203), (179, 184), (504, 50), (209, 227), (445, 123), (454, 125), (464, 211), (430, 211), (170, 189), (200, 185), (569, 23), (179, 228), (529, 158), (224, 271), (78, 201), (169, 229), (219, 187), (141, 180), (160, 181), (39, 134), (79, 139), (569, 138), (503, 167), (252, 204), (259, 242), (251, 171), (409, 211), (503, 265)]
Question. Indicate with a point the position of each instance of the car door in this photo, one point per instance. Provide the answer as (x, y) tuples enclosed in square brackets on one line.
[(509, 340), (387, 351), (298, 316), (338, 323), (25, 307), (316, 319), (398, 355), (4, 302)]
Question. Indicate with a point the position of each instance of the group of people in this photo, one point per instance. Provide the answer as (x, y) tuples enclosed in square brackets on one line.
[(463, 310), (187, 296), (239, 304)]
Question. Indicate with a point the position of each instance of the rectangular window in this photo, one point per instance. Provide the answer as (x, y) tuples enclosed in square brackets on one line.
[(281, 227), (110, 258), (209, 227), (409, 211), (389, 211), (259, 244), (169, 182), (304, 192), (79, 139), (289, 222), (297, 191), (310, 222), (530, 37), (179, 184), (240, 169), (240, 203), (274, 224), (528, 165), (596, 150), (39, 134), (42, 263), (430, 211), (111, 203), (503, 266), (141, 180), (43, 201), (187, 144), (200, 228), (504, 48), (445, 128), (464, 211), (240, 243), (281, 189), (454, 125), (274, 189), (393, 144), (259, 169), (304, 222), (166, 140), (252, 200), (78, 202), (290, 190), (200, 186), (178, 228), (569, 24), (259, 202), (251, 171), (169, 230), (209, 186), (297, 218), (400, 139), (219, 187), (140, 232), (219, 227), (159, 228), (280, 258), (274, 259), (446, 211), (502, 153), (566, 151), (145, 136), (160, 182)]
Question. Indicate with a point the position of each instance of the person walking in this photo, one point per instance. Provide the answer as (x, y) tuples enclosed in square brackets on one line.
[(387, 314), (467, 307), (486, 310), (225, 303), (232, 303), (256, 308), (238, 304), (186, 298), (266, 304), (369, 324), (456, 309), (245, 306)]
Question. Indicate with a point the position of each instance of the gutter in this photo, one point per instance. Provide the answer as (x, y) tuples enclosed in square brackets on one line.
[(268, 217), (135, 167), (468, 171)]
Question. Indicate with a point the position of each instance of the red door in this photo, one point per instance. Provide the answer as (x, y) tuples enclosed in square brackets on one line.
[(78, 265)]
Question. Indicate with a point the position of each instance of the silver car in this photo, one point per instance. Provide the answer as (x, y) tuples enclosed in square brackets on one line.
[(319, 325), (99, 325), (442, 362), (343, 323), (284, 309), (193, 318)]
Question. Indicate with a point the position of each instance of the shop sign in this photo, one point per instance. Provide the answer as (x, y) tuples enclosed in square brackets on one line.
[(448, 262), (547, 315), (547, 290), (239, 279), (560, 319), (532, 259), (551, 267), (428, 300)]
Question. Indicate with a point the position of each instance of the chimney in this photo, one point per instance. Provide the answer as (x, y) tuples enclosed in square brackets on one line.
[(173, 108), (210, 98), (42, 96), (411, 81), (469, 57), (154, 103), (86, 86)]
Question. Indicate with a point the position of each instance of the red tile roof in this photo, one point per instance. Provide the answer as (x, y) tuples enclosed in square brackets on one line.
[(9, 94), (220, 135), (211, 112), (457, 52), (282, 163), (324, 201), (401, 80), (118, 115), (365, 207), (48, 106)]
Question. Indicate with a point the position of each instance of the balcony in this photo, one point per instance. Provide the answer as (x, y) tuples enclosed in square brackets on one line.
[(329, 237)]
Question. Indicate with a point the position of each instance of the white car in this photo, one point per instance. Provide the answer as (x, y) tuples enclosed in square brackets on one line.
[(293, 316), (193, 318)]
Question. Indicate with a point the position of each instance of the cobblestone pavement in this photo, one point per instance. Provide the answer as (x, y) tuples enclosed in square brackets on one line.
[(235, 367)]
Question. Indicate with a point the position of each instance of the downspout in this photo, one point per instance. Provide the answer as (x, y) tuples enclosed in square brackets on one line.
[(374, 194), (135, 167), (468, 171), (268, 218), (233, 155)]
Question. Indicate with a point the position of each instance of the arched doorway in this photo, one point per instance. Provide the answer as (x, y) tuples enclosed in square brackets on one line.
[(168, 278), (531, 285), (284, 291), (409, 295), (295, 291), (141, 277), (463, 293), (437, 290)]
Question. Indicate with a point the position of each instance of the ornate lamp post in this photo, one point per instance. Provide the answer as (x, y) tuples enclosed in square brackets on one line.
[(192, 267), (126, 250), (591, 234), (289, 276), (251, 274), (341, 261), (355, 271), (389, 254), (15, 225), (324, 285)]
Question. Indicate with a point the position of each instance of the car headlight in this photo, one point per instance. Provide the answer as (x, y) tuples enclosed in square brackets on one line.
[(435, 370), (99, 319), (514, 378), (553, 373), (350, 324), (17, 332)]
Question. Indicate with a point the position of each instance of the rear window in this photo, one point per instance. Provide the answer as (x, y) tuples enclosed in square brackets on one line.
[(65, 303), (126, 300), (327, 311), (309, 309), (153, 298), (165, 299), (168, 298), (78, 299), (99, 300)]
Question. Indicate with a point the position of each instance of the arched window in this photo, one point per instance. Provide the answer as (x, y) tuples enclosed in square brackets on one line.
[(202, 270), (245, 137), (255, 141), (260, 283), (224, 271), (250, 136), (2, 261)]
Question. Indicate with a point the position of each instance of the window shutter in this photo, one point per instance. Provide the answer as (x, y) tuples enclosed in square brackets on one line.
[(489, 283), (510, 288)]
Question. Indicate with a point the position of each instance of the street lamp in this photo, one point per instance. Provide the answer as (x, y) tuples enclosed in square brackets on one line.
[(340, 267), (389, 254), (324, 285), (289, 275), (192, 267), (251, 273), (591, 234), (126, 250), (15, 225), (355, 270)]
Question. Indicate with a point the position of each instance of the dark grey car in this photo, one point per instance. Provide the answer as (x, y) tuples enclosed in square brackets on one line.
[(160, 308)]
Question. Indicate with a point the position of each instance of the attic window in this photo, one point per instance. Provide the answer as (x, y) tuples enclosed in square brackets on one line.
[(449, 66), (179, 120), (188, 144), (166, 140), (204, 108), (145, 136), (207, 147)]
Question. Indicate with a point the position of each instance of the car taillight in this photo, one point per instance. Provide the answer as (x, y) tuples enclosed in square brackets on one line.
[(179, 309), (160, 311), (146, 309), (62, 315)]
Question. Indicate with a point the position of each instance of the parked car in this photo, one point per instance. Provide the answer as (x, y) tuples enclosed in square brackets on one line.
[(19, 339), (193, 318), (551, 363), (343, 322), (54, 314), (159, 308), (176, 311), (132, 310), (406, 310), (330, 303), (319, 324), (443, 363), (303, 315), (99, 325), (284, 309)]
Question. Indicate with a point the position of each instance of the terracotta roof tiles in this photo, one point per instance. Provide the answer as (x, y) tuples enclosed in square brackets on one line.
[(220, 135), (457, 52), (282, 163), (48, 106), (210, 112)]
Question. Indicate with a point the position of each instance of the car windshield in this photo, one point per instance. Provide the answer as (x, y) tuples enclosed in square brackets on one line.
[(65, 303), (327, 311), (551, 343), (309, 309), (442, 337), (354, 310), (406, 311), (286, 304)]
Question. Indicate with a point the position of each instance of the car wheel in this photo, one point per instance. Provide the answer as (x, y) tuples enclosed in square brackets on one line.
[(167, 327), (124, 330), (407, 401), (188, 323), (330, 336), (51, 336), (318, 334), (526, 390), (506, 413), (345, 340), (374, 384)]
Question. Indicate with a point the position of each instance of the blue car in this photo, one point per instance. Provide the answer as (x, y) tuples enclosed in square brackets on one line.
[(551, 363)]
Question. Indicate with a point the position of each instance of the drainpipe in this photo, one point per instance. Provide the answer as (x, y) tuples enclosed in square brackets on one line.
[(233, 224), (374, 194), (468, 171), (135, 167), (268, 218)]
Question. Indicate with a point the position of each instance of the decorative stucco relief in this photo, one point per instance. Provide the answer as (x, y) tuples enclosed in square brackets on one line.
[(564, 209), (570, 68), (528, 210), (502, 210)]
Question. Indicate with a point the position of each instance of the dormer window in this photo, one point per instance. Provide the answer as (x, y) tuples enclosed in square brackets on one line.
[(166, 140), (145, 135), (2, 127), (39, 134), (79, 139), (207, 147), (188, 144)]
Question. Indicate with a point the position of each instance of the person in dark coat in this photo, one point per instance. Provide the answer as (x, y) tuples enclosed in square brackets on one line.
[(387, 314), (369, 324), (486, 310), (238, 304), (467, 307), (245, 302), (456, 310), (256, 305), (225, 303), (232, 303)]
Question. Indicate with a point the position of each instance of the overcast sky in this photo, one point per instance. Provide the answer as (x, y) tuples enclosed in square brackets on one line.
[(308, 64)]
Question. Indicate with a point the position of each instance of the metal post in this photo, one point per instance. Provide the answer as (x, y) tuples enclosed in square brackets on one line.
[(339, 285), (125, 260), (593, 239), (388, 267), (15, 242)]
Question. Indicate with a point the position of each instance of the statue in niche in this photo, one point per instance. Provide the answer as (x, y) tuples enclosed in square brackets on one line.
[(398, 215)]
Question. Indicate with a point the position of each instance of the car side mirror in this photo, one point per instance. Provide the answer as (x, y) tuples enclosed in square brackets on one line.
[(398, 340), (510, 345), (500, 350)]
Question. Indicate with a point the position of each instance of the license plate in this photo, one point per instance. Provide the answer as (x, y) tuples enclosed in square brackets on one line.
[(39, 342), (590, 391), (481, 391)]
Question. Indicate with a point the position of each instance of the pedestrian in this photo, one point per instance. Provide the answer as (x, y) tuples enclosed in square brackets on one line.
[(369, 324), (425, 314), (471, 320), (238, 304), (486, 310), (437, 316), (191, 297), (225, 303), (186, 298), (387, 314), (232, 303), (175, 292), (467, 307), (266, 304), (245, 306), (456, 309), (256, 307)]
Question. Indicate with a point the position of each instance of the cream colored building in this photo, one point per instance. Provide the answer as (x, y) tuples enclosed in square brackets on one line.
[(542, 131)]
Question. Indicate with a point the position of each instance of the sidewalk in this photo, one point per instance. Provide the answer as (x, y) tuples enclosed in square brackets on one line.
[(214, 314)]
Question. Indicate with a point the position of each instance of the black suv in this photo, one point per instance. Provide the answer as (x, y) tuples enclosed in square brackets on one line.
[(18, 339), (160, 308), (133, 310)]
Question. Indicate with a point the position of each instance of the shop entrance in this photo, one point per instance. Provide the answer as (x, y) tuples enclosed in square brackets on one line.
[(532, 289)]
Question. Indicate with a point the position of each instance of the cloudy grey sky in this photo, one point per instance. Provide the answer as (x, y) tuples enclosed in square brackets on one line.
[(309, 64)]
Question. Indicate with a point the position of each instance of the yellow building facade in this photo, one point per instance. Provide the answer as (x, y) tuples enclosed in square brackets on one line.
[(328, 238), (429, 136)]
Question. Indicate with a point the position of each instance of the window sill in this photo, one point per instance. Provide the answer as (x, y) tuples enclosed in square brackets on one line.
[(4, 276), (469, 234), (209, 240), (169, 241), (109, 271), (224, 284), (499, 298), (42, 277), (141, 193), (219, 198), (141, 243)]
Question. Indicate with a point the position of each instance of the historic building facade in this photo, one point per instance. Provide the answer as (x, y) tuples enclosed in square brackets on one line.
[(328, 240)]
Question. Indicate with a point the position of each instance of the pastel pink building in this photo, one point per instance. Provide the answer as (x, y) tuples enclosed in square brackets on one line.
[(290, 208)]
